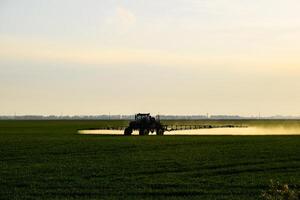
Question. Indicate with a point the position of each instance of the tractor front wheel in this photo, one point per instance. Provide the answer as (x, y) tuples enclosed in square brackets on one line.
[(143, 132), (127, 131)]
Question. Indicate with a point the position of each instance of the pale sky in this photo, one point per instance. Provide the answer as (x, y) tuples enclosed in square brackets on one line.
[(168, 57)]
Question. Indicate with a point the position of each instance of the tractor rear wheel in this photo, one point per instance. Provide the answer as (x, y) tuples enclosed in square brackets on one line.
[(159, 132), (146, 132)]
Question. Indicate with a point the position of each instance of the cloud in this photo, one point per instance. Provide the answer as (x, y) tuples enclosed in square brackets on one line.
[(125, 16)]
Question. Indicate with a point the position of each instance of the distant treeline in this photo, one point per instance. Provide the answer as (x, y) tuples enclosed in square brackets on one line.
[(130, 117)]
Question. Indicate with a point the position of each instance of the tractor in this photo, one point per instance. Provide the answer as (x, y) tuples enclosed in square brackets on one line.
[(145, 124)]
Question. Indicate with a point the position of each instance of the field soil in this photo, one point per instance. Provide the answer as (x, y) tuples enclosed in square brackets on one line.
[(50, 160)]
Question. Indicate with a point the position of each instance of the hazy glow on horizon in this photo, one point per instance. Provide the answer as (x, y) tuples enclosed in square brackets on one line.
[(172, 57)]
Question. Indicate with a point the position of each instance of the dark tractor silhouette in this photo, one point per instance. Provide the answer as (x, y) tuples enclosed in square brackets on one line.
[(145, 124)]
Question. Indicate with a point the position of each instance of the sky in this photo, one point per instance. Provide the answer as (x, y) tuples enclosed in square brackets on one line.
[(73, 57)]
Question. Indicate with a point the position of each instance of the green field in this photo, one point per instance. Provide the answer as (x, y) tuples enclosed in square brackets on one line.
[(49, 160)]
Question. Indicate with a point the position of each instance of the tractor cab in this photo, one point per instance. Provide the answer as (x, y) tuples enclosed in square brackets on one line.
[(142, 116)]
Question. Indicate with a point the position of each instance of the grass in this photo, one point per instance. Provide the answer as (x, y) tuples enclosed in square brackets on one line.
[(48, 160)]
